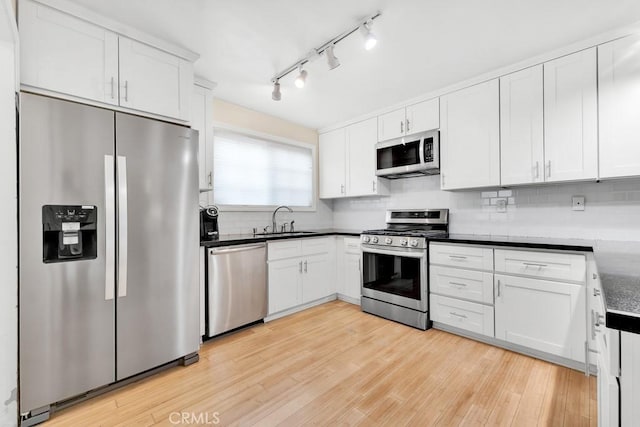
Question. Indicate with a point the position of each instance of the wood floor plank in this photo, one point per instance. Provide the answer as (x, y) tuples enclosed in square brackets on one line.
[(337, 366)]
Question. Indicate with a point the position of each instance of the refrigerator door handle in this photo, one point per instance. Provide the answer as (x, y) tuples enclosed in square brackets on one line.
[(110, 227), (122, 226)]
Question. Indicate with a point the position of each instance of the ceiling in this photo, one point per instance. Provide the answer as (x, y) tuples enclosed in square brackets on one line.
[(423, 45)]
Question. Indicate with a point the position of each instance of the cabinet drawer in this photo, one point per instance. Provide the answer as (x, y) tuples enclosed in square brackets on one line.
[(315, 246), (285, 249), (352, 245), (461, 256), (467, 284), (546, 265), (470, 316)]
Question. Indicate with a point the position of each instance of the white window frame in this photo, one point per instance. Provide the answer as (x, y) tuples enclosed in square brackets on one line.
[(274, 138)]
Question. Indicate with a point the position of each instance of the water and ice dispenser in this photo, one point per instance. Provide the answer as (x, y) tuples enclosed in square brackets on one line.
[(69, 233)]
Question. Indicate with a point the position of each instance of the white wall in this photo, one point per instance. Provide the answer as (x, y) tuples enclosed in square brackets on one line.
[(612, 209), (8, 241)]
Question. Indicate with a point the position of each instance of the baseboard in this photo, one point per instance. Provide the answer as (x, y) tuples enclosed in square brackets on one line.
[(350, 300), (298, 308)]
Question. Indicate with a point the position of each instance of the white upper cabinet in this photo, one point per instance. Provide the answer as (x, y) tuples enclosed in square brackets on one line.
[(202, 121), (73, 58), (348, 162), (153, 80), (332, 147), (570, 114), (415, 118), (64, 54), (470, 137), (619, 103), (391, 125), (361, 141), (521, 127)]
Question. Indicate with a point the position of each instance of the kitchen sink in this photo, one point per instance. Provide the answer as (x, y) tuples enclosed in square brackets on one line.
[(287, 233)]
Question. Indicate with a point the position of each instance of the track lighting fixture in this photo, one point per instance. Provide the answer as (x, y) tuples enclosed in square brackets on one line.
[(302, 78), (370, 39), (327, 48), (276, 95), (332, 61)]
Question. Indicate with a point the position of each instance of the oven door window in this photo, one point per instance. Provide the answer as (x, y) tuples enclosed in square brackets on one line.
[(399, 155), (392, 274)]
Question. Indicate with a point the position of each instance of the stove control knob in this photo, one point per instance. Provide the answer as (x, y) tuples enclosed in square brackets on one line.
[(374, 239), (414, 243), (403, 242), (365, 239), (388, 240)]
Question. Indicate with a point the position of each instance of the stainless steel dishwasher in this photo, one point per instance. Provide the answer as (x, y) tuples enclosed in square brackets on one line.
[(237, 286)]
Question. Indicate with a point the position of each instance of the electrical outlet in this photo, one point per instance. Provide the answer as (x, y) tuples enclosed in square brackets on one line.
[(577, 203), (501, 205)]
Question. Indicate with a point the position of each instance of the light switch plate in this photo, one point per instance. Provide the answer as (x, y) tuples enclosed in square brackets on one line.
[(577, 203)]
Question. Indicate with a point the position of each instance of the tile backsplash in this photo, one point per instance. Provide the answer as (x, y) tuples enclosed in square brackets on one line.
[(612, 209)]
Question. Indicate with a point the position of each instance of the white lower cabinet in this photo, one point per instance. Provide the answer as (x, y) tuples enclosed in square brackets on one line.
[(465, 284), (542, 315), (629, 378), (465, 315), (349, 256), (284, 284), (300, 271)]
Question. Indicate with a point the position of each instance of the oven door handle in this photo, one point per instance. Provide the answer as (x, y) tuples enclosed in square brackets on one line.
[(401, 253)]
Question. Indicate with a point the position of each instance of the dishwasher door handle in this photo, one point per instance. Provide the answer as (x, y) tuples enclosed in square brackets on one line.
[(235, 249)]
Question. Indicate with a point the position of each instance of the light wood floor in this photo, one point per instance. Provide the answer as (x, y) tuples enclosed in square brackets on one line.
[(334, 365)]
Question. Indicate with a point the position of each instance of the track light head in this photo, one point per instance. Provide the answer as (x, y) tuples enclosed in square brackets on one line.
[(276, 95), (370, 39), (332, 60), (301, 79)]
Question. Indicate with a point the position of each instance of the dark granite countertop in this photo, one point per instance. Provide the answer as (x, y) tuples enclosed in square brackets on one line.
[(618, 265), (243, 239)]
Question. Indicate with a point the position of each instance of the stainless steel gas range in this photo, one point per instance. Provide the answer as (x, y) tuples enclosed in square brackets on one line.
[(395, 279)]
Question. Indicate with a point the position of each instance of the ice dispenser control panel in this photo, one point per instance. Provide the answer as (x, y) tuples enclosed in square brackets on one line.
[(69, 233)]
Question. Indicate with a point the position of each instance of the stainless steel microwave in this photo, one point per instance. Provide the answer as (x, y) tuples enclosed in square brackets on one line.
[(409, 156)]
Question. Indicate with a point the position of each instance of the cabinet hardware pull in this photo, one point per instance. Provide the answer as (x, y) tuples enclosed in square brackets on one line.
[(593, 325), (498, 288), (462, 316), (534, 264), (458, 284), (401, 127), (374, 185), (300, 267), (305, 266), (113, 91), (537, 169), (210, 179), (595, 276), (441, 179), (408, 122), (457, 257), (341, 188), (548, 169), (596, 292), (126, 90)]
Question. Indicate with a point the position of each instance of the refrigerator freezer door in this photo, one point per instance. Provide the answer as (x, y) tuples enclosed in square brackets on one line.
[(158, 317), (67, 323)]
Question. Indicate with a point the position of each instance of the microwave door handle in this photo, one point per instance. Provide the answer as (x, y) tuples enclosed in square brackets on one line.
[(421, 151)]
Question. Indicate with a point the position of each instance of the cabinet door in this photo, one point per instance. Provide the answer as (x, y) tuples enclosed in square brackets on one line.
[(67, 55), (284, 284), (352, 276), (315, 280), (470, 137), (521, 127), (153, 80), (542, 315), (619, 103), (200, 121), (391, 125), (361, 143), (571, 117), (423, 116), (629, 378), (333, 164)]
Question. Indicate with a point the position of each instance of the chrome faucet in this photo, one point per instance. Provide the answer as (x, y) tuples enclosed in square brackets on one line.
[(273, 217)]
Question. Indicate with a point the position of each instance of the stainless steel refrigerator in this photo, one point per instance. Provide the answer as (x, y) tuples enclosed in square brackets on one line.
[(109, 239)]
